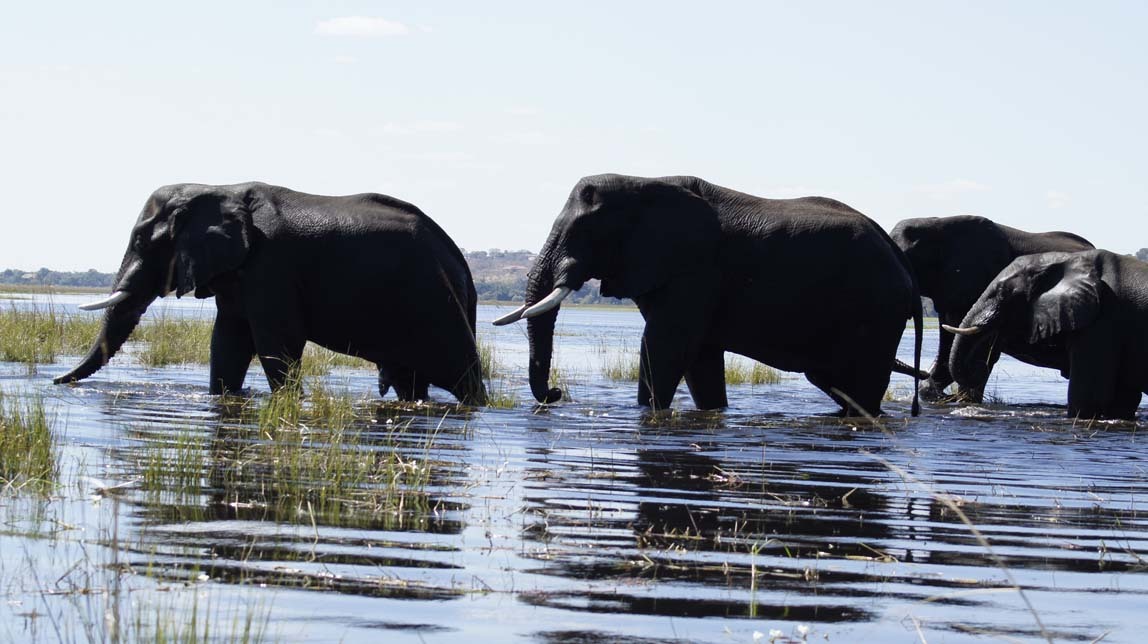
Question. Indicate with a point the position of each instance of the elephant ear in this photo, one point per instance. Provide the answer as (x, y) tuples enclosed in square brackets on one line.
[(671, 231), (211, 234), (1068, 299)]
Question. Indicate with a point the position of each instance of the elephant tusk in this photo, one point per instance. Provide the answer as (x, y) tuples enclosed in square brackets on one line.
[(513, 316), (972, 330), (548, 303), (114, 298)]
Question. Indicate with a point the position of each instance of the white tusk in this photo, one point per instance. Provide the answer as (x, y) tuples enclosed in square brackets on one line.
[(513, 316), (114, 298), (972, 330), (548, 303)]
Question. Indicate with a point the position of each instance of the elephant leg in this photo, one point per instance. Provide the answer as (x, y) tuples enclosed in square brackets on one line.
[(407, 383), (280, 355), (384, 382), (939, 378), (1124, 404), (858, 392), (706, 379), (232, 348), (1093, 370), (677, 319)]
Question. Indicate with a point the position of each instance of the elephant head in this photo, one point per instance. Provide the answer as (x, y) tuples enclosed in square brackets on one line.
[(953, 257), (1033, 300), (187, 237), (634, 234)]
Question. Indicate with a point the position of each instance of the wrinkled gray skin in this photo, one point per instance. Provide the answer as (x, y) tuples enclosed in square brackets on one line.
[(366, 275), (1089, 308), (807, 285), (955, 258)]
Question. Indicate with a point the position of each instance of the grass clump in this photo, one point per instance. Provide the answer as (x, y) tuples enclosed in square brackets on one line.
[(621, 366), (28, 451), (488, 360), (316, 455), (739, 372), (319, 361), (500, 394), (174, 469), (174, 341), (37, 336)]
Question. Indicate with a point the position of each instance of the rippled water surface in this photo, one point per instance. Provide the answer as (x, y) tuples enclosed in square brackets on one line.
[(587, 521)]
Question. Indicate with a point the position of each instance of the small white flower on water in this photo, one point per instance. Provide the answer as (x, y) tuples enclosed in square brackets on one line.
[(758, 635), (774, 634), (802, 630)]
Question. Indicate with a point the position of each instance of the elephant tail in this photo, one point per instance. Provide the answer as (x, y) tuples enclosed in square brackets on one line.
[(918, 323)]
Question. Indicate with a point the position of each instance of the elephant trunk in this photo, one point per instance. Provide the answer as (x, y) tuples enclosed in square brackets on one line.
[(972, 350), (119, 322), (540, 331), (133, 293)]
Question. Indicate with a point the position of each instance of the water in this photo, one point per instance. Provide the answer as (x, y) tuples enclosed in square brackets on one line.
[(591, 520)]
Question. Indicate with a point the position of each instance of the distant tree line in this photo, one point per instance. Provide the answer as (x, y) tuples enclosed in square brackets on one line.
[(48, 277), (499, 276)]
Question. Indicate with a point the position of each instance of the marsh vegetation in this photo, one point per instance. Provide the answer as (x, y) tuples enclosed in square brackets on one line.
[(321, 513)]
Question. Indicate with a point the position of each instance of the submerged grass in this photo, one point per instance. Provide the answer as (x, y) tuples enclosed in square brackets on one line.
[(29, 457), (319, 455)]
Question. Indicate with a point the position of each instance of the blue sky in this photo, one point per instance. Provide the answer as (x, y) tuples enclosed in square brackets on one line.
[(485, 114)]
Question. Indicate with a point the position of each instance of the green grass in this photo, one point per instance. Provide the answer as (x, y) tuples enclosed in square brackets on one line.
[(488, 360), (174, 467), (319, 361), (29, 457), (320, 454), (174, 341), (741, 372), (620, 366), (38, 336)]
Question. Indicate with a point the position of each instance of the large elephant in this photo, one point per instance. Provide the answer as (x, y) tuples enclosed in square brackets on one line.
[(806, 285), (955, 258), (1090, 307), (366, 275)]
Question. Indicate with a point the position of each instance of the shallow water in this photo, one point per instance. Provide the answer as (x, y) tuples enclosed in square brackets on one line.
[(589, 520)]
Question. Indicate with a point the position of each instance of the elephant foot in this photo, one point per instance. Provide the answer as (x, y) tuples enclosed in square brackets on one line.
[(932, 391), (969, 396)]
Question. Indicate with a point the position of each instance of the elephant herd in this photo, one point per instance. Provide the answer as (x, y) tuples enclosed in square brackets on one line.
[(807, 285)]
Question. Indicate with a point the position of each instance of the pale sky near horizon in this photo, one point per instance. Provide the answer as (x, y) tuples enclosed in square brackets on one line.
[(486, 114)]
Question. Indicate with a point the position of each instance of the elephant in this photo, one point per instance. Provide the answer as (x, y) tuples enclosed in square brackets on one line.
[(366, 275), (808, 285), (955, 258), (1089, 308)]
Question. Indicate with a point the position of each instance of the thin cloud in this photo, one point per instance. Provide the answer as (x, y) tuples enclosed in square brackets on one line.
[(418, 127), (361, 27), (530, 137), (346, 60), (1056, 199)]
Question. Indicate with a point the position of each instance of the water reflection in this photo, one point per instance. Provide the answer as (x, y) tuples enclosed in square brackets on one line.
[(595, 521)]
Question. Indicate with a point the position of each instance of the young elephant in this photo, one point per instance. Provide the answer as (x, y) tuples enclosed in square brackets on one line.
[(1088, 312), (366, 275), (807, 285), (955, 258)]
